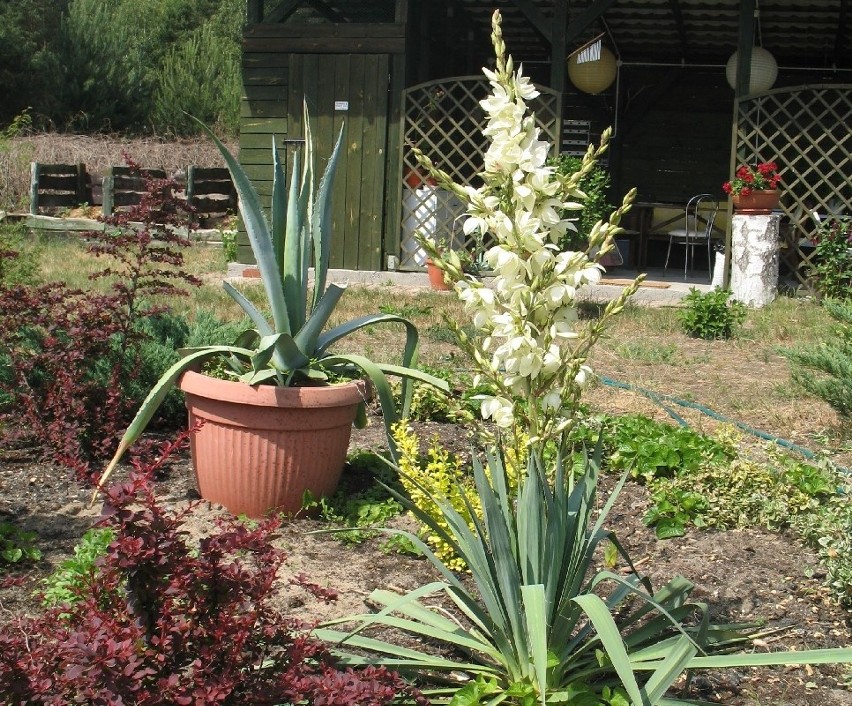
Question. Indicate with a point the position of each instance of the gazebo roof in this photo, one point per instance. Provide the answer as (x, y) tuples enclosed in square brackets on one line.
[(799, 33)]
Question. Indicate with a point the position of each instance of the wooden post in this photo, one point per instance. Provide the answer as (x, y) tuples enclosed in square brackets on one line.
[(82, 192), (34, 187), (190, 183), (108, 192)]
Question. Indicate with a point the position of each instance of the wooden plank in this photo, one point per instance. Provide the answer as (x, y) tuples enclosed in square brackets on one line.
[(127, 171), (212, 174), (259, 155), (58, 169), (329, 45), (349, 86), (263, 126), (262, 142), (57, 200), (263, 109), (204, 206), (59, 183), (207, 188), (265, 93), (327, 30), (264, 60), (392, 226), (373, 159)]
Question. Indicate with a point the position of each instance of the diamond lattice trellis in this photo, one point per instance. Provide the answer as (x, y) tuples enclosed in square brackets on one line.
[(444, 120), (804, 129)]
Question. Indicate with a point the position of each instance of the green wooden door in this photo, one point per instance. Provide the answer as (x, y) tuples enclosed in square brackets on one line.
[(348, 91)]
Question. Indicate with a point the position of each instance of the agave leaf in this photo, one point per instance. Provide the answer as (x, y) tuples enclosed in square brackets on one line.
[(155, 398), (294, 279), (309, 334), (409, 354), (257, 229), (321, 222), (258, 319), (258, 377), (279, 205)]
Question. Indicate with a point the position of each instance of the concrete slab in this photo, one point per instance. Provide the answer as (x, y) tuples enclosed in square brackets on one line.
[(661, 288)]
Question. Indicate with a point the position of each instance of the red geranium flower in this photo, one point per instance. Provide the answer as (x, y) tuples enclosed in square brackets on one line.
[(757, 177)]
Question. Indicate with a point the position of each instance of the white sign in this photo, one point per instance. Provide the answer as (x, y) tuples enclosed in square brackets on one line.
[(341, 105)]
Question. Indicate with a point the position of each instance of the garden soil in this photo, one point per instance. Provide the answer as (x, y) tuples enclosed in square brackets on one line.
[(743, 575)]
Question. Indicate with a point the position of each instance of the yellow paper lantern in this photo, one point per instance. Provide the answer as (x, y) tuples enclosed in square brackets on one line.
[(764, 70), (593, 76)]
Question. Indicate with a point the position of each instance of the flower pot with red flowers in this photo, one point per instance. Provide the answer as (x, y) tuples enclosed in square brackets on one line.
[(754, 188)]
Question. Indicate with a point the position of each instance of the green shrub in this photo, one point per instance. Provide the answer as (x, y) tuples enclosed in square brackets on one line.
[(711, 315), (831, 271), (596, 207), (825, 370)]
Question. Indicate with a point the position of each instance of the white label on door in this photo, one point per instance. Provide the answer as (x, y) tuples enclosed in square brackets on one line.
[(341, 105)]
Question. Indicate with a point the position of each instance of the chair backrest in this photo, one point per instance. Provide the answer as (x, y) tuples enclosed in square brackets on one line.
[(700, 215)]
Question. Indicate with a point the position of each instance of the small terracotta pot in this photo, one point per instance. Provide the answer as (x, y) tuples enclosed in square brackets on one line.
[(436, 277), (261, 447), (757, 202)]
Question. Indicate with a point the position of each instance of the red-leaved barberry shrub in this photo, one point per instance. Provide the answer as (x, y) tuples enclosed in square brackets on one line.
[(166, 623), (68, 356)]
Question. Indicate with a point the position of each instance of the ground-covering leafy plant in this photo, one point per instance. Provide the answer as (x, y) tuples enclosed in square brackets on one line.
[(711, 315), (360, 504), (539, 626), (825, 370), (831, 271), (17, 545), (168, 622), (70, 357), (293, 349), (650, 449), (70, 582)]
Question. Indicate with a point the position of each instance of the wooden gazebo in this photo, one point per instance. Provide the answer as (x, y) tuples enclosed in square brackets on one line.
[(398, 72)]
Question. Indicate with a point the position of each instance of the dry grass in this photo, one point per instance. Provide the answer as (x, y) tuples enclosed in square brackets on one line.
[(97, 153)]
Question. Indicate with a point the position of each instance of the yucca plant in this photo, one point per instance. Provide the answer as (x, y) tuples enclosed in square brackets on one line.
[(293, 347), (539, 625)]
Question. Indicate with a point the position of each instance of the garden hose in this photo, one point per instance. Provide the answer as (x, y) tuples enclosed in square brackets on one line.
[(664, 400)]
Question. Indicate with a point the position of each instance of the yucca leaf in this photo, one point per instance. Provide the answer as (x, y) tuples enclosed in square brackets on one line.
[(612, 644), (535, 614), (669, 669), (838, 655)]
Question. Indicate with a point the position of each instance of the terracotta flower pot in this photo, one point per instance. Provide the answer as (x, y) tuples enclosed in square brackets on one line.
[(261, 447), (436, 277), (757, 202)]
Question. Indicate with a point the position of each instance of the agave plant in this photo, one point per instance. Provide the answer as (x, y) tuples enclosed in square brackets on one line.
[(541, 626), (293, 348)]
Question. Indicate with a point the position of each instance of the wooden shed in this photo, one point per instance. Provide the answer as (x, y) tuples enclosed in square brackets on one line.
[(397, 73)]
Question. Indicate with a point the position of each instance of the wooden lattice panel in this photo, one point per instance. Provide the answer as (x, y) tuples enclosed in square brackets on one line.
[(444, 119), (806, 131)]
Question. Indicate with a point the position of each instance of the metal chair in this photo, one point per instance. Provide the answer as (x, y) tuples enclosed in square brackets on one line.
[(700, 214)]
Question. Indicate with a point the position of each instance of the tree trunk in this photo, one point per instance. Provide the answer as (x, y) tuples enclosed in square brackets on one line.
[(754, 259)]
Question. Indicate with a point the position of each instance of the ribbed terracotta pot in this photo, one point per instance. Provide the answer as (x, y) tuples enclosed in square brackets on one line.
[(436, 277), (261, 447), (757, 202)]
